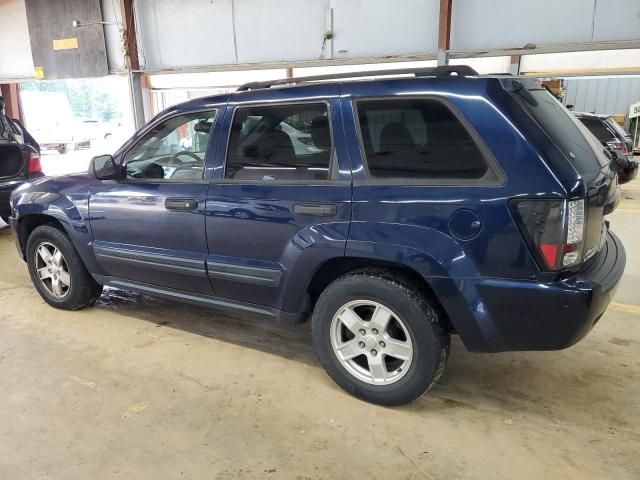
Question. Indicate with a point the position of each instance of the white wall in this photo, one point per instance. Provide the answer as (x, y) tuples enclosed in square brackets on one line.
[(485, 24), (15, 48), (201, 32)]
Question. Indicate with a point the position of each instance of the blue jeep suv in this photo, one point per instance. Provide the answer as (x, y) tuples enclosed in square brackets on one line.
[(393, 211)]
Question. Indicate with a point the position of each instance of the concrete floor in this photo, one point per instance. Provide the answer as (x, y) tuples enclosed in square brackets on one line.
[(137, 388)]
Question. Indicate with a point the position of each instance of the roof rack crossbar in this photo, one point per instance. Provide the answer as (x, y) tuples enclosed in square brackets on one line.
[(440, 71)]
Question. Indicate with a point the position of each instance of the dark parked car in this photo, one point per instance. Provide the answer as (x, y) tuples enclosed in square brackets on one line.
[(432, 205), (618, 143), (19, 159)]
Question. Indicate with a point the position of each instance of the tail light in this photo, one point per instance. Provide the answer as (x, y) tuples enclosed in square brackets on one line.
[(34, 165), (554, 229), (618, 146)]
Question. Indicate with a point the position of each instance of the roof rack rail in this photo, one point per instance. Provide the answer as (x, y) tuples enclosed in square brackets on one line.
[(440, 71)]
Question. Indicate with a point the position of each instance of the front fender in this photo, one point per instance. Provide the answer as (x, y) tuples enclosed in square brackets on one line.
[(69, 208)]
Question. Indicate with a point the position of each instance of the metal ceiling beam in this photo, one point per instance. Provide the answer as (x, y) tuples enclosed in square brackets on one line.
[(556, 48), (549, 48)]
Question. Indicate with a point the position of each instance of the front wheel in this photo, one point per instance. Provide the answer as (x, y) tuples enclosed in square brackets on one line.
[(379, 337), (57, 270)]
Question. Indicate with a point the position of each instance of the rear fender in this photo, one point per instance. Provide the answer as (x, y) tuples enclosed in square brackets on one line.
[(450, 273)]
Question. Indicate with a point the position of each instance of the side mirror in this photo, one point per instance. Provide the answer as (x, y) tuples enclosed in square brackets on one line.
[(103, 167)]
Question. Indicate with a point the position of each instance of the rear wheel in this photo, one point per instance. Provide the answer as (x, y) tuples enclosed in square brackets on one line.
[(379, 337), (57, 270)]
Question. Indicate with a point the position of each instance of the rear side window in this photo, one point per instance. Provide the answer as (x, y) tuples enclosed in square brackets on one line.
[(569, 134), (280, 143), (418, 139)]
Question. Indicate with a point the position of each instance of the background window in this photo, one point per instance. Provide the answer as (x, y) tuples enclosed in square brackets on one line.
[(417, 139), (280, 142), (173, 150)]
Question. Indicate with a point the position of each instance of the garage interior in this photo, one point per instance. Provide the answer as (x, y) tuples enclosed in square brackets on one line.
[(138, 387)]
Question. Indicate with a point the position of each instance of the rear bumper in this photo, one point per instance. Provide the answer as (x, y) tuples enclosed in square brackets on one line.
[(5, 208), (628, 173), (5, 195), (526, 315)]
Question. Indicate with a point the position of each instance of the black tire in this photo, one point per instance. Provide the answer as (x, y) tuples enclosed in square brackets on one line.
[(421, 318), (83, 291)]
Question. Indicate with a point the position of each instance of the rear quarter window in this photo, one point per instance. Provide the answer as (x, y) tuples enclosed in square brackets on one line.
[(419, 139)]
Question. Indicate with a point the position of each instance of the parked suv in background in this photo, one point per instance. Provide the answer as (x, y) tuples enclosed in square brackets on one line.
[(433, 205), (19, 159), (618, 142)]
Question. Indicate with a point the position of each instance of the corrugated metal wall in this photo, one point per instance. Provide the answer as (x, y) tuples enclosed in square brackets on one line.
[(603, 95)]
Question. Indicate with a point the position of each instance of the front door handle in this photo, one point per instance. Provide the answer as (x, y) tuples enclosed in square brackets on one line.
[(326, 210), (181, 204)]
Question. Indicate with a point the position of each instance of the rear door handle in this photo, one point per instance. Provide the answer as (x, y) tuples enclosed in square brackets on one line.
[(180, 204), (326, 210)]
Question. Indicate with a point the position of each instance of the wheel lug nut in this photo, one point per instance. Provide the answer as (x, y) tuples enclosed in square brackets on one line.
[(361, 344), (382, 344), (374, 352), (374, 331), (363, 331)]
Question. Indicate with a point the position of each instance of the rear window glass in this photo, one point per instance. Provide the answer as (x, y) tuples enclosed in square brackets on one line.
[(611, 123), (575, 141), (417, 139), (598, 128)]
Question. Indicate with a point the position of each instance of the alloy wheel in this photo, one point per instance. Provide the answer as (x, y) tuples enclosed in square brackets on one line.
[(52, 270), (371, 342)]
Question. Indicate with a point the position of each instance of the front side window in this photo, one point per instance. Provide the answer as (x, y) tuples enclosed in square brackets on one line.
[(418, 139), (280, 143), (174, 150)]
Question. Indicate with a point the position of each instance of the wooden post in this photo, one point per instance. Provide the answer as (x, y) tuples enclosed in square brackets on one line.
[(444, 25), (514, 65), (12, 102), (129, 34)]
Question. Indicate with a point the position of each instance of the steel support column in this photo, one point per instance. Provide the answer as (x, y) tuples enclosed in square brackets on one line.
[(132, 62)]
